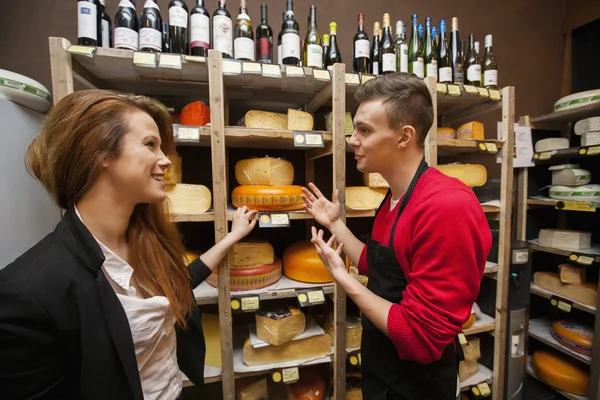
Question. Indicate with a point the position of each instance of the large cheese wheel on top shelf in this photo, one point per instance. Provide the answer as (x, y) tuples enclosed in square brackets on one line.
[(561, 371), (268, 198), (250, 278), (576, 336), (302, 263), (264, 171)]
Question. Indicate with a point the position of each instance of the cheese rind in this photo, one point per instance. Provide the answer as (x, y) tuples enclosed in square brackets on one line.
[(363, 197), (301, 349), (249, 254), (561, 372), (188, 199), (471, 175), (470, 130), (565, 239), (590, 138), (265, 120), (575, 193), (572, 274), (587, 125), (302, 263), (212, 339), (469, 323), (375, 180), (571, 177), (268, 198), (299, 120), (549, 144), (279, 326), (472, 350), (251, 388), (264, 171), (250, 278), (576, 336), (585, 293)]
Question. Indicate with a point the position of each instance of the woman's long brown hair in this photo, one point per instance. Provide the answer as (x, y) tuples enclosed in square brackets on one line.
[(80, 132)]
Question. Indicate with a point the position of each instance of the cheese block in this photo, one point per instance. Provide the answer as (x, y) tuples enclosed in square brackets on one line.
[(585, 293), (251, 388), (590, 138), (196, 114), (446, 133), (268, 198), (470, 130), (375, 180), (561, 372), (587, 125), (301, 349), (188, 199), (267, 171), (310, 386), (280, 325), (549, 144), (174, 174), (471, 175), (571, 274), (570, 175), (265, 120), (212, 339), (251, 253), (467, 369), (353, 331), (565, 239), (575, 193), (348, 122), (250, 278), (469, 323), (301, 263), (299, 120), (363, 197), (578, 337), (472, 350)]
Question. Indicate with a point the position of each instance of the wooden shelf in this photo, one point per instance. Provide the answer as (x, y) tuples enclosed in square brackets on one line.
[(548, 294), (549, 202), (540, 329), (483, 323), (556, 120), (594, 251), (531, 373), (452, 147), (546, 157), (483, 375), (293, 215), (198, 217)]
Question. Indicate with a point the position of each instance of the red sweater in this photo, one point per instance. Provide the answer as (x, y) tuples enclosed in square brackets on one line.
[(442, 241)]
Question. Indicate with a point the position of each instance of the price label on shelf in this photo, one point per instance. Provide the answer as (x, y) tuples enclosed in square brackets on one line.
[(583, 259), (487, 147), (592, 151), (546, 155), (87, 51), (231, 67), (454, 90), (470, 89), (251, 68), (561, 304), (462, 339), (310, 296), (367, 77), (196, 59), (352, 79), (144, 59), (495, 94), (271, 71), (290, 375), (186, 133), (321, 74), (170, 61), (575, 206), (245, 303), (355, 358), (483, 92), (484, 389), (273, 220), (308, 139), (441, 88), (294, 72)]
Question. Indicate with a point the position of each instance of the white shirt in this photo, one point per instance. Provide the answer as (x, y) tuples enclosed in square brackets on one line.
[(152, 325)]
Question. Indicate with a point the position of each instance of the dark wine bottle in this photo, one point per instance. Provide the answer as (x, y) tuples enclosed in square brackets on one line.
[(457, 65), (325, 48), (279, 42), (375, 48), (472, 64), (290, 38), (362, 47), (106, 29), (434, 35), (388, 48), (312, 52), (223, 31), (444, 59), (415, 59), (87, 22), (333, 54), (126, 26), (165, 35), (199, 30), (178, 27), (428, 54), (264, 38), (401, 48), (151, 28)]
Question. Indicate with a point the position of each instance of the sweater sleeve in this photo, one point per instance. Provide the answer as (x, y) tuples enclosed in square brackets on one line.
[(362, 262), (450, 243), (198, 272)]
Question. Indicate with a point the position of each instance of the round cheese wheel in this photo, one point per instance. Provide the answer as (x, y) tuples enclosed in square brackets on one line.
[(250, 278), (301, 263), (446, 133), (470, 321), (268, 198), (195, 114), (264, 171), (576, 336), (561, 371), (310, 386)]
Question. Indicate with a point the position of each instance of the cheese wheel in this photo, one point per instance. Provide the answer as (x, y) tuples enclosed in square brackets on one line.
[(302, 263), (470, 321), (251, 253), (268, 198), (549, 144), (191, 255), (470, 130), (446, 133), (195, 114), (561, 372), (375, 180), (212, 337), (310, 386), (299, 349), (363, 197), (299, 120), (264, 171), (250, 278), (265, 120), (471, 175), (572, 274), (576, 336), (585, 293), (188, 199)]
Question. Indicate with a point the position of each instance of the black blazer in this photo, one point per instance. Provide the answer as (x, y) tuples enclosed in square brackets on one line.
[(63, 331)]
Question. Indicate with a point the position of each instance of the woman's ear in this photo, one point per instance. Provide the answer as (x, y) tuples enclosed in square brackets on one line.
[(407, 136)]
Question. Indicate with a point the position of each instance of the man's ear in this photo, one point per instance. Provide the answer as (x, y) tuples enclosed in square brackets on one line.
[(407, 136)]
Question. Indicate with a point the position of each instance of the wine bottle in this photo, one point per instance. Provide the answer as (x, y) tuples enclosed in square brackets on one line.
[(126, 26), (301, 47), (312, 52), (165, 35), (223, 30), (457, 65), (463, 55), (434, 35), (325, 48), (362, 46), (264, 38), (428, 54), (489, 67), (178, 27), (388, 48), (477, 49), (151, 28), (333, 54), (375, 48), (444, 59), (199, 30), (401, 48), (87, 22), (434, 41), (243, 44), (420, 30), (106, 29), (290, 38), (279, 42), (415, 59), (472, 64)]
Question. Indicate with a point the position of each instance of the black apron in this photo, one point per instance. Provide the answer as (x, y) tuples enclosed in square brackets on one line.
[(384, 375)]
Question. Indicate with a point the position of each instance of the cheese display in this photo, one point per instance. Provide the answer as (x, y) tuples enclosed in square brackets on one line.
[(310, 386), (279, 326), (301, 349), (561, 372), (576, 336), (472, 351), (585, 293), (188, 199), (364, 197), (577, 100), (268, 198), (267, 171), (375, 180), (299, 120), (191, 255), (301, 263), (467, 369), (251, 388), (195, 114), (470, 174), (25, 91), (590, 138), (565, 239), (470, 130), (251, 253), (348, 122), (575, 193), (353, 331), (446, 133), (569, 175), (212, 339), (571, 274), (265, 120), (587, 125), (550, 144), (174, 174), (250, 278)]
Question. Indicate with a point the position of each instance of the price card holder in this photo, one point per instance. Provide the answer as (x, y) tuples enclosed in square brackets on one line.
[(186, 133), (495, 94), (294, 72), (308, 139), (251, 68), (274, 220), (354, 358), (487, 147), (87, 51), (546, 155), (454, 90), (441, 88), (196, 59), (582, 259), (575, 206), (170, 61), (286, 375), (462, 339), (310, 296), (245, 303), (561, 304), (352, 79), (470, 89), (144, 59), (481, 390), (232, 67), (590, 151), (321, 74), (366, 77), (271, 71), (483, 92)]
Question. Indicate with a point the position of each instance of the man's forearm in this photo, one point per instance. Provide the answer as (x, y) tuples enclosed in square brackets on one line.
[(353, 247)]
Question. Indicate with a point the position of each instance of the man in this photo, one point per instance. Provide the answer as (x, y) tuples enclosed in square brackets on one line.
[(426, 254)]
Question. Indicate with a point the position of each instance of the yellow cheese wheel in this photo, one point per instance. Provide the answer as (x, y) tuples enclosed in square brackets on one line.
[(470, 174), (250, 278), (299, 120), (446, 133), (265, 120), (562, 372), (264, 171), (470, 130), (212, 339), (249, 253), (268, 198), (576, 336), (301, 263), (470, 321), (188, 199), (363, 197)]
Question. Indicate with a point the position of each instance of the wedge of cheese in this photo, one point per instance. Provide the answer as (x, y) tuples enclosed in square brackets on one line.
[(301, 349), (251, 253), (470, 130), (349, 123), (188, 199), (472, 350), (572, 274), (467, 369), (375, 180), (252, 388), (279, 326), (264, 171), (299, 120), (265, 120), (471, 175), (549, 144), (363, 197), (585, 293)]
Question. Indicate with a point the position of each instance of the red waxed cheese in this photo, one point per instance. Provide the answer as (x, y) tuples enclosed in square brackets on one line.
[(195, 114)]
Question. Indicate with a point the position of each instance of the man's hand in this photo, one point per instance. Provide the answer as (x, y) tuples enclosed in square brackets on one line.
[(329, 256), (322, 210)]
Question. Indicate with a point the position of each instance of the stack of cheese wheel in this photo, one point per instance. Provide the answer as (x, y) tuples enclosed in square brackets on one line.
[(266, 185), (561, 372), (253, 265), (575, 336), (302, 263)]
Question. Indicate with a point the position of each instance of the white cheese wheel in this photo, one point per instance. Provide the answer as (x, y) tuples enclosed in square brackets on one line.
[(575, 193), (550, 144), (571, 177), (188, 199), (264, 171), (590, 138), (587, 125), (577, 100), (565, 239)]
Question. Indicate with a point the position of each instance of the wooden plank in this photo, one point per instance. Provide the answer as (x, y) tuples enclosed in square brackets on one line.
[(61, 68), (217, 118), (556, 120), (504, 244), (193, 217), (471, 113), (430, 146), (522, 178), (541, 329), (238, 136), (452, 147), (320, 99)]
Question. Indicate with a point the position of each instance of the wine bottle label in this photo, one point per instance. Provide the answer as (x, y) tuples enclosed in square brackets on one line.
[(151, 4), (126, 3), (362, 48), (291, 45), (222, 34), (404, 57), (280, 55), (490, 77), (200, 31), (263, 51), (375, 67), (178, 17), (314, 56), (243, 48), (474, 73), (432, 69), (105, 34), (459, 75), (86, 20), (445, 74), (418, 68), (389, 62), (126, 38), (150, 38)]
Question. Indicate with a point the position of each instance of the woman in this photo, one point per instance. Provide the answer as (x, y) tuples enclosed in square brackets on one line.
[(102, 308)]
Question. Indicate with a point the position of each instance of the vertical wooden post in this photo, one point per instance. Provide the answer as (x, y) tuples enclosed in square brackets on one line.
[(61, 68), (522, 177), (430, 145), (594, 391), (504, 245), (219, 162), (339, 182)]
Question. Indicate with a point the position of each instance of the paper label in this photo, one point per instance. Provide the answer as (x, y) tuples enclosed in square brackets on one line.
[(404, 57), (445, 74), (362, 48), (418, 68), (222, 34), (150, 38), (375, 67), (151, 4), (86, 20), (490, 77), (244, 48), (178, 17), (126, 38), (280, 55), (291, 45), (389, 62), (432, 69), (200, 31), (474, 73), (315, 56), (105, 34)]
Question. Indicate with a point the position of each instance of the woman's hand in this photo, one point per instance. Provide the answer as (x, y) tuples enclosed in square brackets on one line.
[(243, 222), (322, 210), (328, 255)]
